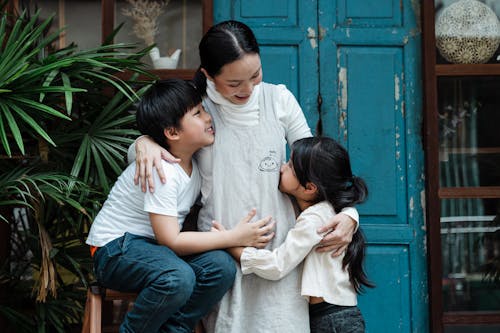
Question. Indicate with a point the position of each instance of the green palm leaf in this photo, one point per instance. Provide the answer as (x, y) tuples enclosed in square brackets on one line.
[(31, 83)]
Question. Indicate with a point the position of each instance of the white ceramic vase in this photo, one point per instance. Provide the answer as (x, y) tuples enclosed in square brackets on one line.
[(169, 62)]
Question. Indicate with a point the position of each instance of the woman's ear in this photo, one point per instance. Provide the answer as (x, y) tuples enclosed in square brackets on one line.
[(206, 74), (171, 133)]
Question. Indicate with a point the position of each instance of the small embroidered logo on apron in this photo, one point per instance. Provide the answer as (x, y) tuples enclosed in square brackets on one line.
[(269, 163)]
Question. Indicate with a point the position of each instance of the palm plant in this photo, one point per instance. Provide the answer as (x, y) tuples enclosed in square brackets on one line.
[(65, 125)]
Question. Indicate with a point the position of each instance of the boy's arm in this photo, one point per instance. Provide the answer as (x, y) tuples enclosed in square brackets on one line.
[(166, 229)]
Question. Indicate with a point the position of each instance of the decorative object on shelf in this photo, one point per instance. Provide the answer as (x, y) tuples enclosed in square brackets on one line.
[(145, 14), (467, 32)]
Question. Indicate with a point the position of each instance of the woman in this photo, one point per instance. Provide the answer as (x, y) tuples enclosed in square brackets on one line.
[(253, 122)]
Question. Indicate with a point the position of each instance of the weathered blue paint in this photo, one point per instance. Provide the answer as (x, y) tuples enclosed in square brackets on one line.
[(363, 58)]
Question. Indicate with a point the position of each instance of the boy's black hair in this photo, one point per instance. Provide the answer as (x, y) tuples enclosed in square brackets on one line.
[(164, 105), (325, 163)]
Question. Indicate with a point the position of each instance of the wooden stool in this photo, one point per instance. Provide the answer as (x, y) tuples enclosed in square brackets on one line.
[(92, 319)]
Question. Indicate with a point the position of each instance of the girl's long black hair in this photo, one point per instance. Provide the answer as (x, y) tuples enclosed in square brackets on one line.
[(325, 163)]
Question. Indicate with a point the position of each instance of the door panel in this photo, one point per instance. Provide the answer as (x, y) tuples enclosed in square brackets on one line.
[(370, 126), (354, 13), (388, 266)]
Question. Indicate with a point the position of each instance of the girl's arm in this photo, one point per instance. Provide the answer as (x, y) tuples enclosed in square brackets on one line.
[(245, 233), (274, 265), (148, 155)]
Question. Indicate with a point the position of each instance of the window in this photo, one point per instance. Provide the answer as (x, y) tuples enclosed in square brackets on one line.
[(463, 184), (181, 25)]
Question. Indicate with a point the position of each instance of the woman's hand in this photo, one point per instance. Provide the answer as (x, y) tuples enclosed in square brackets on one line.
[(148, 155), (339, 234), (256, 234)]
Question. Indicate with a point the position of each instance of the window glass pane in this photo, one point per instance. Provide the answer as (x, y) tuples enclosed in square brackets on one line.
[(180, 26), (470, 164), (470, 241), (469, 115), (81, 20)]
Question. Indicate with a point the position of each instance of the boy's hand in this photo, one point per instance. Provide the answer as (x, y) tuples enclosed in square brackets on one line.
[(256, 234)]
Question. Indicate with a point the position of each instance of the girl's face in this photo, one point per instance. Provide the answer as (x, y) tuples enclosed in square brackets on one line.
[(238, 78), (288, 180)]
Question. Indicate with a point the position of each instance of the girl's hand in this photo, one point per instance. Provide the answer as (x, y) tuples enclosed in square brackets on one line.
[(256, 234), (340, 230), (148, 155)]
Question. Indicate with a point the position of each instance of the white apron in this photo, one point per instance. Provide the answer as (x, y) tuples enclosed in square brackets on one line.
[(245, 164)]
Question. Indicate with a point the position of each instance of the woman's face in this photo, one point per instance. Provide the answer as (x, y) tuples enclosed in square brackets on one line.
[(238, 78)]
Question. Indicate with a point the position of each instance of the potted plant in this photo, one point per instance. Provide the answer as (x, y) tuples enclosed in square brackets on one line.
[(62, 142)]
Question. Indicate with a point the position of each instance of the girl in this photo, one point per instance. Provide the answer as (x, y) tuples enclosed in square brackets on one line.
[(254, 121), (319, 177)]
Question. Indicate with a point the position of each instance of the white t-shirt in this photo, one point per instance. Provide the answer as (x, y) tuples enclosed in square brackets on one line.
[(322, 275), (127, 208)]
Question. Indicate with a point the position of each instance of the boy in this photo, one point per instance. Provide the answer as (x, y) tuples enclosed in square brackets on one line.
[(136, 236)]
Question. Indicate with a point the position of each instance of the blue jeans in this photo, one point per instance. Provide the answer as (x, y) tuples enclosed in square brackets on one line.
[(173, 292)]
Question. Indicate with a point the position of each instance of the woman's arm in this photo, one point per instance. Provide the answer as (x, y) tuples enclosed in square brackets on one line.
[(339, 232), (245, 233), (274, 265), (292, 117), (148, 155)]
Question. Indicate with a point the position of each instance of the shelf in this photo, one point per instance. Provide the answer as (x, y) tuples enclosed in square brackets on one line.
[(486, 192), (472, 151), (467, 69), (472, 317), (186, 74)]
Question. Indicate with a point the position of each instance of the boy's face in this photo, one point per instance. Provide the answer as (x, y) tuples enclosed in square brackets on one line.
[(196, 128)]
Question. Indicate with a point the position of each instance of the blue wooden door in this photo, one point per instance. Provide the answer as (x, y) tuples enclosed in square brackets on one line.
[(355, 66)]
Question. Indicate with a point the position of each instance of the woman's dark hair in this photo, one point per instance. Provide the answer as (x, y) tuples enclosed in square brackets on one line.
[(164, 105), (223, 44), (325, 163)]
